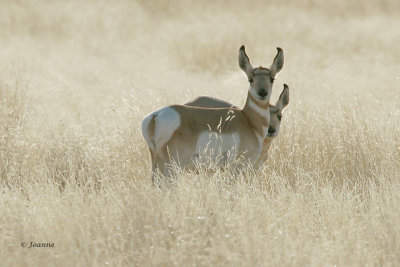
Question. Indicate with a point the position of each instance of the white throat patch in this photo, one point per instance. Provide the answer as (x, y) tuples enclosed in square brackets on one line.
[(259, 110)]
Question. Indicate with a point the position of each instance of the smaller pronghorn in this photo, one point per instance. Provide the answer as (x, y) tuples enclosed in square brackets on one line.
[(275, 117), (187, 135)]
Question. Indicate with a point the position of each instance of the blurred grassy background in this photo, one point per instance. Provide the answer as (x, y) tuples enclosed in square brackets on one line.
[(77, 78)]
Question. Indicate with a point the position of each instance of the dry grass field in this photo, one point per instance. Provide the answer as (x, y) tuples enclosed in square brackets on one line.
[(78, 77)]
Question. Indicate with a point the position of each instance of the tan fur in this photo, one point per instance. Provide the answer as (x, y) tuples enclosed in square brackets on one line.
[(250, 124)]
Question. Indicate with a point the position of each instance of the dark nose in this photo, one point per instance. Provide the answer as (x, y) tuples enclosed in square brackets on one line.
[(262, 93), (271, 130)]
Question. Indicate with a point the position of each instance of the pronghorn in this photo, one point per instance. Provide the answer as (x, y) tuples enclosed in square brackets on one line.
[(186, 135), (275, 117)]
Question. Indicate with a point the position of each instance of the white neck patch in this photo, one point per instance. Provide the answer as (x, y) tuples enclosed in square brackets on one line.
[(259, 110)]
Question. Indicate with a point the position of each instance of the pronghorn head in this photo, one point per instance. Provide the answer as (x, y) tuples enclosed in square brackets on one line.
[(275, 112), (261, 79)]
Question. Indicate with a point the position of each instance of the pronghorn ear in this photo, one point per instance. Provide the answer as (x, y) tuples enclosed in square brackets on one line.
[(244, 62), (283, 100), (278, 63)]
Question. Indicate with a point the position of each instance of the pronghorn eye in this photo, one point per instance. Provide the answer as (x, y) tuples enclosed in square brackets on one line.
[(279, 117), (272, 79), (251, 80)]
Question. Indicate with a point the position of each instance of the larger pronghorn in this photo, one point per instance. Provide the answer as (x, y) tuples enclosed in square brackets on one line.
[(185, 134)]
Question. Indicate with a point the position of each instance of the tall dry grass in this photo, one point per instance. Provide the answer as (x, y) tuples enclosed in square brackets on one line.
[(76, 78)]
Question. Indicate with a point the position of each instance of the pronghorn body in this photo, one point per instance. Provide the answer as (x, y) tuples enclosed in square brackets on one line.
[(186, 135), (275, 113), (194, 134)]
